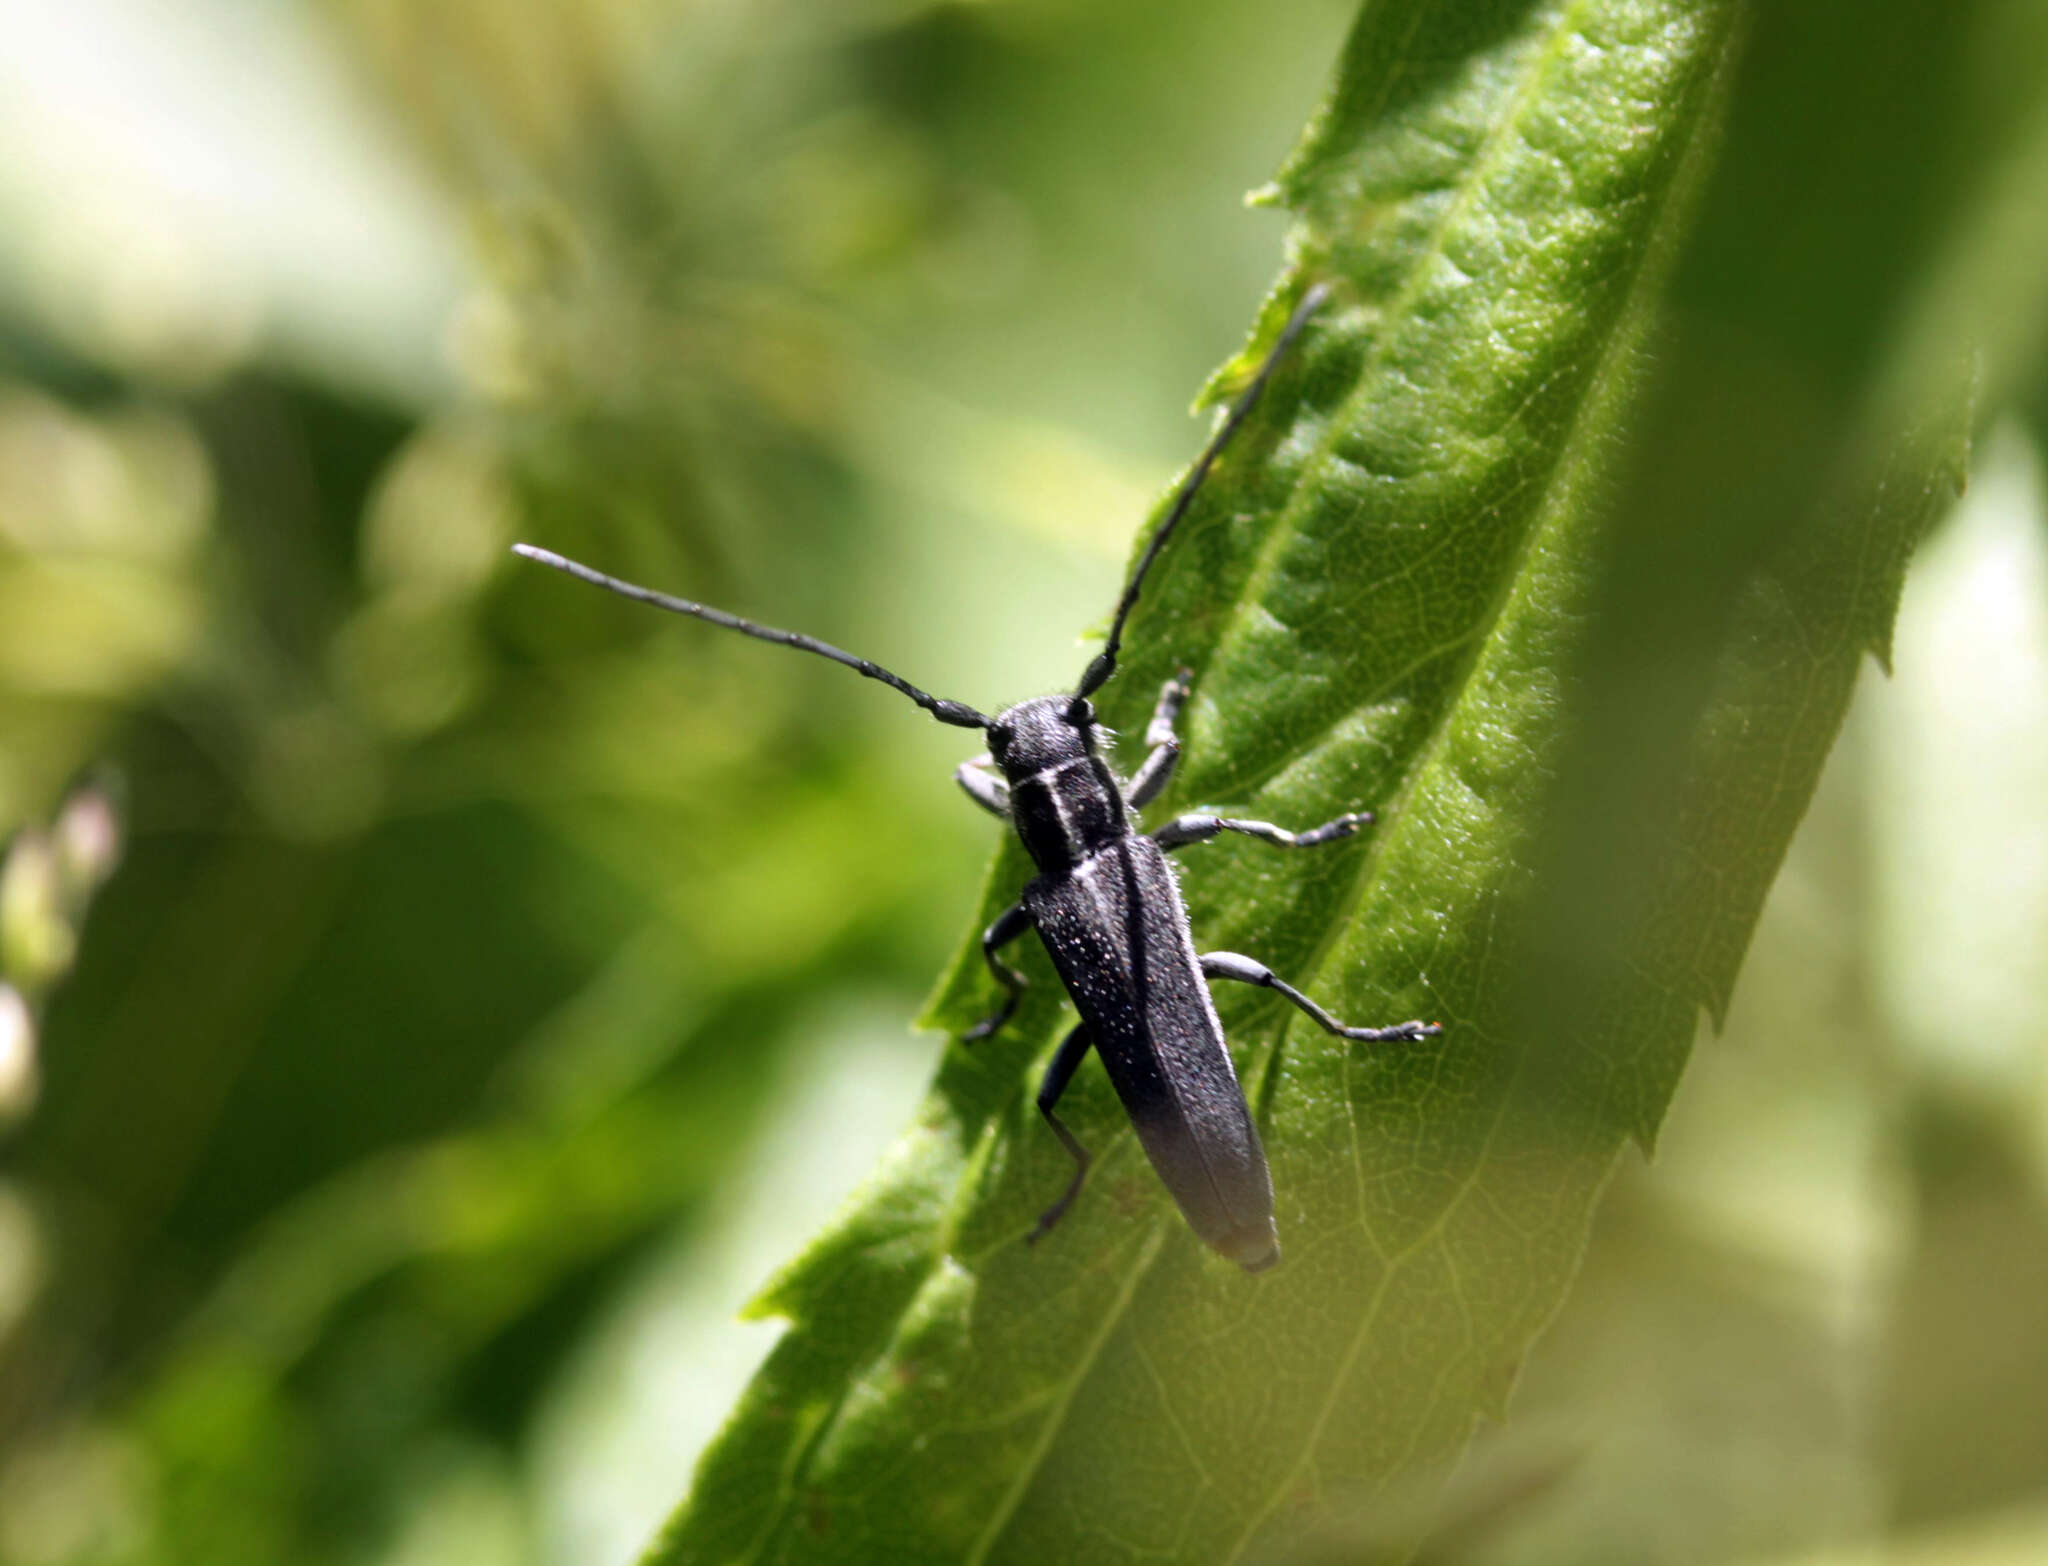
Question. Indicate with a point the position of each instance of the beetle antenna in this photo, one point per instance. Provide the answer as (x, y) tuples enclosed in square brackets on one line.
[(1103, 664), (957, 713)]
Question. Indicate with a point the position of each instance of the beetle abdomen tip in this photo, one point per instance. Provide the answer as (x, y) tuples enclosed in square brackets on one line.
[(1253, 1249)]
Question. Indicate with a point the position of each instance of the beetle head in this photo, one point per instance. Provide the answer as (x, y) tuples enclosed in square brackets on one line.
[(1046, 731)]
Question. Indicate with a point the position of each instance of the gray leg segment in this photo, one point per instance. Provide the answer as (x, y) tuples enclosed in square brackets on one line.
[(1229, 965), (1157, 772), (1183, 830), (1057, 1076), (991, 793), (1012, 922)]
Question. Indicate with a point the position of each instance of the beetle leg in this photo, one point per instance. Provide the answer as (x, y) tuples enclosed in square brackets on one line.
[(991, 793), (1183, 830), (1151, 779), (1012, 922), (1057, 1076), (1229, 965)]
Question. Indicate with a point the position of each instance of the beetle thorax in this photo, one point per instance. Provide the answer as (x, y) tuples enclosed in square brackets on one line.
[(1064, 800)]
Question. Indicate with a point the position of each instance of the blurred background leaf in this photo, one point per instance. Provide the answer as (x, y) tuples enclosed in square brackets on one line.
[(494, 985)]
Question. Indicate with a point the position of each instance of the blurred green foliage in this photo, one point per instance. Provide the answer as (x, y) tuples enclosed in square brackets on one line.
[(495, 985)]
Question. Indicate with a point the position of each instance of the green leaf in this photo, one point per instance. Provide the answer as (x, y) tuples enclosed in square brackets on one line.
[(1406, 586)]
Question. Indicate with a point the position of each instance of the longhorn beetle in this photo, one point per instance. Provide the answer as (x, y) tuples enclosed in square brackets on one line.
[(1107, 906)]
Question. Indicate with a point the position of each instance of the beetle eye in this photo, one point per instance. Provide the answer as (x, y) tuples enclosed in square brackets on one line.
[(1081, 712)]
